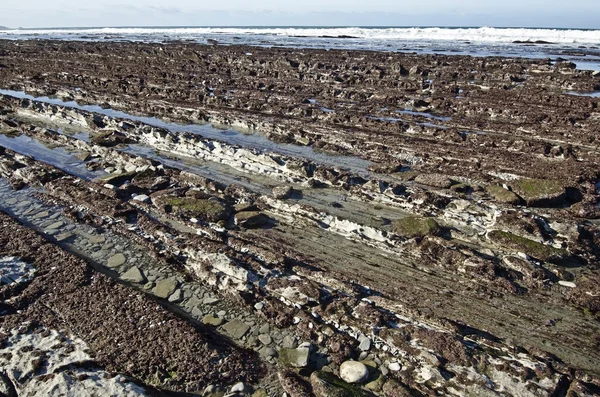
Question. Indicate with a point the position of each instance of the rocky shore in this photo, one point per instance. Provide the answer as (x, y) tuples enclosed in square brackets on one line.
[(180, 219)]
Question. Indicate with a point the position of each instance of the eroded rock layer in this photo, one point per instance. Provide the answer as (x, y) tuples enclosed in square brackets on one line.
[(433, 217)]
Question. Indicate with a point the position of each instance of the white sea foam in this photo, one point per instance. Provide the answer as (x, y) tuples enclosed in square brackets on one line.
[(481, 35)]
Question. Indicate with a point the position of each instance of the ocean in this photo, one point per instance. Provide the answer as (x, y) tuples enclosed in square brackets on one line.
[(581, 46)]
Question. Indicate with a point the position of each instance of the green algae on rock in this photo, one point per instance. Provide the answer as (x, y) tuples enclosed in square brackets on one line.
[(503, 195), (529, 247), (205, 209), (415, 226), (540, 192)]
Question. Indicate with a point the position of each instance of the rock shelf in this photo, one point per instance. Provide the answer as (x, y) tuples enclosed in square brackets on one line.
[(303, 222)]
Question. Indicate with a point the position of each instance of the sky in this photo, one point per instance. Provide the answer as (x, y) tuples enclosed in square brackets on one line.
[(506, 13)]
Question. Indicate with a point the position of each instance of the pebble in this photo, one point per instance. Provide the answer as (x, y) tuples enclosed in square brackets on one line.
[(63, 236), (354, 372), (365, 344), (239, 387), (394, 367), (97, 239), (567, 284), (141, 198), (164, 288), (196, 311), (56, 225), (265, 339), (212, 320), (176, 296), (236, 328), (297, 358), (133, 275), (116, 260)]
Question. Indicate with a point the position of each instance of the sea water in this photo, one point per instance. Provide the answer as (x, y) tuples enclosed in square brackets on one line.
[(581, 46)]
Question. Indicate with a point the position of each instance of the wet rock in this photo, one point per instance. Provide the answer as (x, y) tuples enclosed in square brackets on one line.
[(116, 260), (236, 328), (354, 372), (164, 288), (297, 358), (63, 236), (326, 384), (83, 156), (176, 296), (109, 138), (212, 320), (134, 275), (251, 219)]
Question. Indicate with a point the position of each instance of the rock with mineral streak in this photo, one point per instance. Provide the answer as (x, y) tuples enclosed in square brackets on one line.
[(13, 270), (49, 364)]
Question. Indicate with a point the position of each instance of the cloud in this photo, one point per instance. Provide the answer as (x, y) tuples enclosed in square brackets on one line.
[(36, 13)]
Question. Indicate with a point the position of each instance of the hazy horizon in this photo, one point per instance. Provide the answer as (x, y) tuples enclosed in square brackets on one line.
[(292, 26), (579, 14)]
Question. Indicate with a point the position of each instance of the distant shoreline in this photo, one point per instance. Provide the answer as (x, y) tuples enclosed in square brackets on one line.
[(452, 27)]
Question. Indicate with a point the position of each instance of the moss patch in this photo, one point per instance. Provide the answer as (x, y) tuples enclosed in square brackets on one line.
[(539, 191), (209, 210), (415, 226), (530, 247), (502, 195)]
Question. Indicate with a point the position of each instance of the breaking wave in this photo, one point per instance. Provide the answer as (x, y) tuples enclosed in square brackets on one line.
[(482, 35)]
